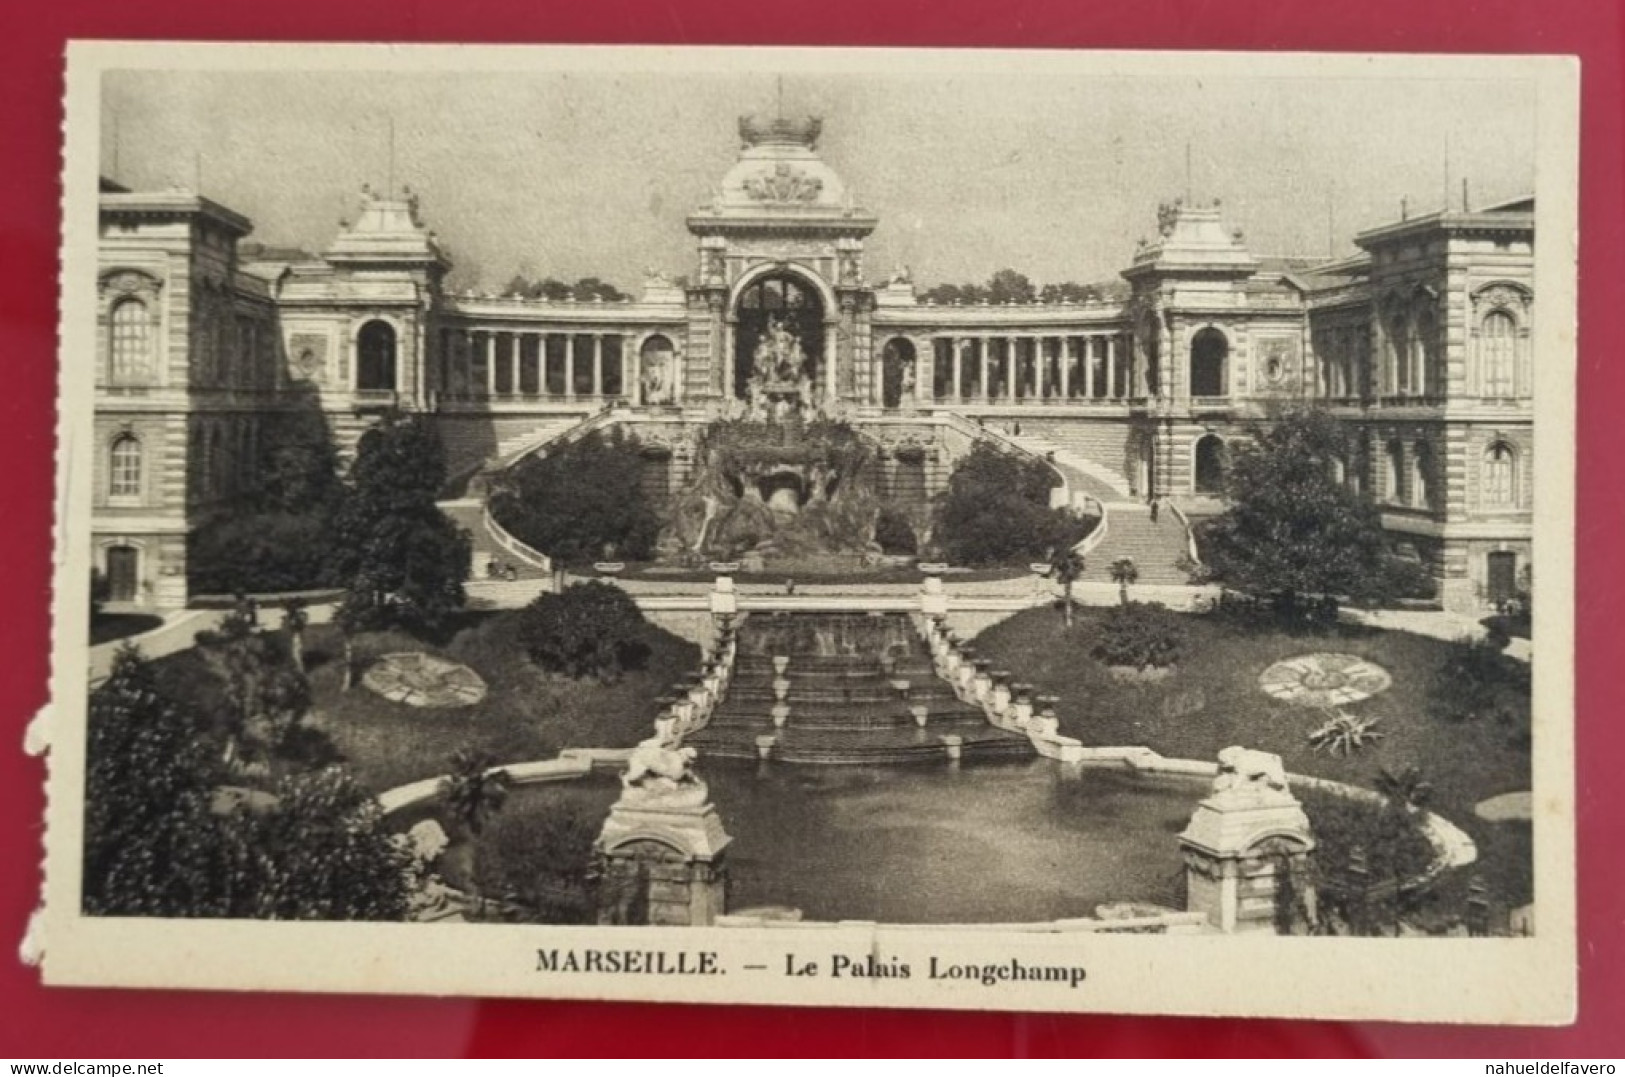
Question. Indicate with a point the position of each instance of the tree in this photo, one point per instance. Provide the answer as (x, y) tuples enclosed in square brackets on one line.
[(581, 502), (1008, 286), (996, 510), (590, 629), (1124, 572), (265, 696), (1065, 567), (1291, 530), (319, 852), (400, 559), (148, 776), (473, 791)]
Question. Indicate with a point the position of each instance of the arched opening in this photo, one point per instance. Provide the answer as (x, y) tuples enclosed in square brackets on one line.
[(124, 468), (1497, 345), (375, 357), (654, 474), (657, 360), (1421, 475), (131, 337), (123, 573), (1210, 352), (1211, 461), (1394, 487), (897, 372), (1500, 480), (778, 339), (1145, 465)]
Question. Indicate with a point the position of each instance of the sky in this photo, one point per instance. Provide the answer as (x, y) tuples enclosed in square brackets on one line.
[(970, 167)]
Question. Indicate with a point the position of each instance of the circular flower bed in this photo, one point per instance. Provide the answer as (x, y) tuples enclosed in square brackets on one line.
[(422, 680), (1324, 680)]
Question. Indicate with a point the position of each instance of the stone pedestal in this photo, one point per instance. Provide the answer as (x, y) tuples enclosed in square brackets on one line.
[(663, 861), (933, 600), (1245, 842)]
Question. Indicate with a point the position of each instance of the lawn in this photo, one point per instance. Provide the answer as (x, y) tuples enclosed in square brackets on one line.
[(527, 714), (1213, 701)]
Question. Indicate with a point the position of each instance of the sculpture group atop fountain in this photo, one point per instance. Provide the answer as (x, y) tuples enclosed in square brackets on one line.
[(780, 383)]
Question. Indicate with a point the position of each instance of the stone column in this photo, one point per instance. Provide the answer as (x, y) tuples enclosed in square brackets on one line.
[(1247, 842), (598, 365), (955, 393), (831, 383), (490, 363), (925, 372), (1111, 368), (1040, 367), (515, 347), (631, 370), (1069, 352), (662, 847), (569, 366), (986, 360), (1012, 356)]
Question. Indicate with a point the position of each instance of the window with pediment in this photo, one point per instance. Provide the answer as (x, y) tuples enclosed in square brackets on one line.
[(1498, 353), (130, 335)]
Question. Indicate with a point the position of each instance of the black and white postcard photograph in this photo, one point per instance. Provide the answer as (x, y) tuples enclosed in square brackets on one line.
[(974, 530)]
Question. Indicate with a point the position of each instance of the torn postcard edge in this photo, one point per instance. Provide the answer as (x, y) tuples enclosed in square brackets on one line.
[(834, 765)]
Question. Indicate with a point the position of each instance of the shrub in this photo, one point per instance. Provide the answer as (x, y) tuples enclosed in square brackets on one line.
[(590, 629), (1476, 681), (1407, 577), (581, 502), (996, 511), (894, 533), (1364, 851), (1140, 635), (260, 552)]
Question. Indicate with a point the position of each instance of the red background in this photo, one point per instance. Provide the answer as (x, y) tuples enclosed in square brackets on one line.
[(79, 1023)]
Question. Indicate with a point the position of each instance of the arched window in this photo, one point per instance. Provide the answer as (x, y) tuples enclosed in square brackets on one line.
[(1421, 475), (1210, 464), (1422, 343), (124, 468), (1210, 351), (1498, 351), (375, 357), (1500, 479), (1394, 488), (131, 330)]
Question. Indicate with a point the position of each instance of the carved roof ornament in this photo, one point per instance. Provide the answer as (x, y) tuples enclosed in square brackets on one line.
[(129, 282), (1168, 216), (784, 183), (763, 130)]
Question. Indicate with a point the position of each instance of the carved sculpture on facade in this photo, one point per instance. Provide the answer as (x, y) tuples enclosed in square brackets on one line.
[(784, 183)]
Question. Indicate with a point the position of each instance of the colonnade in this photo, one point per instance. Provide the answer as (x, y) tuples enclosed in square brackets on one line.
[(485, 363), (992, 369)]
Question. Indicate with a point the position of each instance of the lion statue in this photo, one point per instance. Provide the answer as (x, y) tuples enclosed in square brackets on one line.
[(655, 760), (1243, 770)]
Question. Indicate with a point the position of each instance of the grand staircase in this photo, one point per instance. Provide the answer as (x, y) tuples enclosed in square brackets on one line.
[(1157, 549), (857, 689)]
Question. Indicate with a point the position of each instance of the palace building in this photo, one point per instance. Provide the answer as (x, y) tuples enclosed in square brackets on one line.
[(1421, 342)]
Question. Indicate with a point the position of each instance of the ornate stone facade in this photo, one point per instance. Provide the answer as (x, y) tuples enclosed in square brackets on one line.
[(1422, 342)]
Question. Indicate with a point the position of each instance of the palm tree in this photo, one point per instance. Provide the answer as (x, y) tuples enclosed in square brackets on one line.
[(1405, 788), (294, 619), (1065, 566), (473, 792), (1124, 572)]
